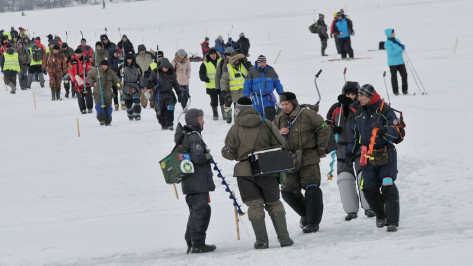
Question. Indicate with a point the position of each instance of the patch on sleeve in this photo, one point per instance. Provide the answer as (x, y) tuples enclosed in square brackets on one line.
[(324, 124), (199, 149)]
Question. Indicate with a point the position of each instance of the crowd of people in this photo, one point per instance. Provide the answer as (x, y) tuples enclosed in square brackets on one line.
[(109, 75)]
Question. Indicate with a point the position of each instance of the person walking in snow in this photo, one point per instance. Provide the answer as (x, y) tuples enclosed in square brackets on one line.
[(344, 28), (207, 74), (99, 54), (307, 140), (243, 45), (10, 65), (322, 32), (114, 62), (126, 45), (339, 117), (205, 46), (260, 84), (380, 170), (220, 45), (163, 79), (182, 66), (144, 59), (79, 67), (107, 44), (394, 49), (131, 87), (68, 52), (24, 59), (222, 82), (102, 92), (196, 186), (55, 64), (37, 55), (86, 50), (250, 133)]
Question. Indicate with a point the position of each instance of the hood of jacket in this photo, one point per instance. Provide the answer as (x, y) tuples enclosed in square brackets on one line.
[(235, 58), (165, 63), (388, 33), (248, 117), (207, 57)]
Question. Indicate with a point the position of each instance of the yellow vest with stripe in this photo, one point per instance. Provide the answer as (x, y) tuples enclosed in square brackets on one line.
[(11, 62), (33, 62), (236, 83), (211, 71), (6, 33), (153, 66)]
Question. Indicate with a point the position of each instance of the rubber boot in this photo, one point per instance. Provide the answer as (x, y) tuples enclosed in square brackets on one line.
[(314, 208), (222, 108), (101, 119), (73, 92), (259, 227), (108, 121), (58, 95), (391, 196), (376, 203), (228, 114), (323, 52), (215, 113), (13, 87), (279, 223), (67, 88), (116, 107), (53, 94)]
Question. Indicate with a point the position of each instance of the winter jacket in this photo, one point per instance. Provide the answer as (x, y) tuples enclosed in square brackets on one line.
[(131, 78), (362, 126), (341, 117), (110, 47), (55, 63), (322, 29), (86, 50), (183, 70), (260, 84), (76, 68), (203, 69), (201, 180), (99, 55), (230, 43), (144, 61), (220, 46), (163, 87), (393, 49), (24, 57), (243, 45), (238, 73), (108, 79), (128, 47), (221, 77), (309, 133), (344, 25), (249, 133), (34, 62), (114, 62), (205, 47), (67, 52), (9, 62)]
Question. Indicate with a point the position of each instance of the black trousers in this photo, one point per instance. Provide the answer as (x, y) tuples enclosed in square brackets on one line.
[(199, 218), (85, 100), (402, 70), (166, 118), (215, 97), (345, 47), (115, 94), (133, 107)]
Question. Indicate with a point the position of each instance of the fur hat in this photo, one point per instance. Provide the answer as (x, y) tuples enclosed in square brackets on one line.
[(141, 47), (367, 90), (350, 87), (192, 116), (288, 97)]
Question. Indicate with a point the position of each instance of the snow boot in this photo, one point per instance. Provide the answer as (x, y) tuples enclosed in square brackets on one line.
[(369, 213), (116, 107), (202, 248), (303, 222), (58, 95), (73, 93), (297, 204), (228, 114), (101, 119), (391, 228), (215, 113), (222, 108), (67, 87), (351, 216), (314, 208), (380, 223), (259, 227), (53, 95), (376, 203), (323, 52), (108, 121), (391, 197), (279, 223)]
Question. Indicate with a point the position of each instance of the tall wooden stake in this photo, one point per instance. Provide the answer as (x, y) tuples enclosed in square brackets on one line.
[(236, 220), (277, 57), (175, 190), (78, 128), (34, 101), (455, 49)]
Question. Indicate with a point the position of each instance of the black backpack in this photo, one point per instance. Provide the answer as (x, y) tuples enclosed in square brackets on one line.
[(38, 53), (400, 126)]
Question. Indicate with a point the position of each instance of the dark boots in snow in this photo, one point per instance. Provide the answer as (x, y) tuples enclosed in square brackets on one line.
[(215, 113), (202, 248), (314, 208), (279, 223), (53, 94), (259, 227), (222, 108), (351, 216)]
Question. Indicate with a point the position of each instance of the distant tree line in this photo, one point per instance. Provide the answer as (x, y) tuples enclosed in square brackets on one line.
[(22, 5)]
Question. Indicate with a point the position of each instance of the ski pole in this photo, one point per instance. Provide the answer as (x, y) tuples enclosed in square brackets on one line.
[(106, 30), (262, 104), (344, 72), (82, 34), (386, 87), (414, 77), (415, 71), (66, 35), (315, 81)]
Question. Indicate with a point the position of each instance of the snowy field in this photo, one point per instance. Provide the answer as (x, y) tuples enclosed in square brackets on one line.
[(100, 199)]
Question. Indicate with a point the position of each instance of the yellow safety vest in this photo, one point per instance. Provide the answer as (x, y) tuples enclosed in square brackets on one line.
[(33, 62), (211, 71), (6, 33), (237, 76), (11, 62), (153, 66)]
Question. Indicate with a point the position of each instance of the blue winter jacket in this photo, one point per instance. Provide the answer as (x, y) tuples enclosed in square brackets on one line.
[(394, 49), (220, 47), (342, 26), (362, 128), (262, 82)]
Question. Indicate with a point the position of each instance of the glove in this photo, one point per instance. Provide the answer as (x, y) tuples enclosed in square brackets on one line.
[(337, 130), (207, 80), (352, 33), (208, 156), (45, 72), (403, 47), (378, 125), (346, 101)]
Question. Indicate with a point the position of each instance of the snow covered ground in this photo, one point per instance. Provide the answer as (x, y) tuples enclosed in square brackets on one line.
[(100, 199)]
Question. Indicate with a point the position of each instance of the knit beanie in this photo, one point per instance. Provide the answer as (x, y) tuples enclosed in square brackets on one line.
[(181, 53), (242, 34), (141, 47), (288, 97), (78, 51), (261, 59), (160, 54), (104, 62), (367, 90)]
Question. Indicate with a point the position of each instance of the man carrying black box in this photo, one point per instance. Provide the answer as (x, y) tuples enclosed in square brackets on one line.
[(307, 136), (249, 134)]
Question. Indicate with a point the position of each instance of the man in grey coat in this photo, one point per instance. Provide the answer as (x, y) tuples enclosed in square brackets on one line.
[(196, 186)]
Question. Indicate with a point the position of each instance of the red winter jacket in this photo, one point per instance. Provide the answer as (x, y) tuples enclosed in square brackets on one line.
[(38, 42), (86, 50), (76, 68), (331, 27), (205, 47)]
